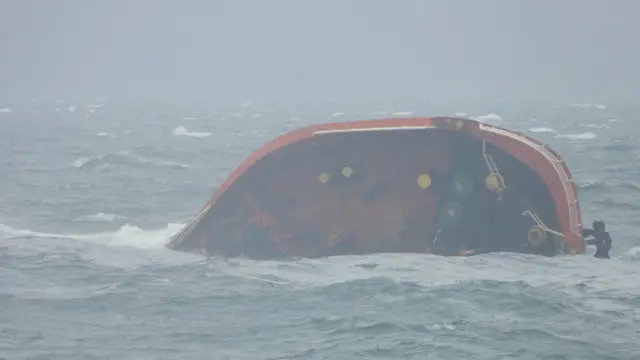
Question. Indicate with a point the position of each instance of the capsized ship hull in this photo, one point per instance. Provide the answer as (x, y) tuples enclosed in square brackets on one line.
[(441, 185)]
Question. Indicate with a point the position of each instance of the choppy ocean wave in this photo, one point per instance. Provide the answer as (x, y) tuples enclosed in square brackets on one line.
[(90, 198)]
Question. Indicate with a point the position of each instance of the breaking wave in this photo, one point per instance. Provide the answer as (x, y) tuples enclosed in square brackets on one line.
[(107, 135), (402, 113), (542, 130), (125, 236), (581, 136), (588, 106), (121, 158), (593, 185), (182, 131), (487, 118), (100, 217)]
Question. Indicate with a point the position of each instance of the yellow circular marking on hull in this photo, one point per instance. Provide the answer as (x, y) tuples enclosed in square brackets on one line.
[(424, 181), (492, 182), (324, 177), (347, 171)]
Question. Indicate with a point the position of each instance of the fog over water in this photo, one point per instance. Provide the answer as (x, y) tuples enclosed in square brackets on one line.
[(230, 50)]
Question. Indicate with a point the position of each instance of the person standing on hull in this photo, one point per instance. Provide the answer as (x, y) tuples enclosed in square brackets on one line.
[(601, 239)]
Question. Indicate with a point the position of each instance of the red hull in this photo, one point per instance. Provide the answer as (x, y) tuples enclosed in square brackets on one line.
[(280, 190)]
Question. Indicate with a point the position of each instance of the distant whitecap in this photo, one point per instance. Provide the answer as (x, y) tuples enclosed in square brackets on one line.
[(588, 106), (80, 162), (182, 131), (100, 217), (582, 136), (107, 135), (542, 130), (126, 235), (598, 126), (402, 113), (487, 117)]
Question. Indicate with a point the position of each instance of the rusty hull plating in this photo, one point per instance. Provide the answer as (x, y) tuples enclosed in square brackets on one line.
[(442, 185)]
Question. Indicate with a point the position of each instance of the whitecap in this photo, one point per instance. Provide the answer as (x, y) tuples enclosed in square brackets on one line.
[(80, 162), (634, 252), (336, 114), (542, 130), (5, 110), (402, 113), (487, 117), (100, 162), (598, 126), (126, 236), (461, 114), (445, 326), (188, 118), (582, 136), (145, 160), (588, 106), (71, 108), (182, 131), (105, 134), (100, 217)]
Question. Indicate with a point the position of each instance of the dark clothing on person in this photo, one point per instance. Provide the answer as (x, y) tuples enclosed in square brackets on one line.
[(601, 239)]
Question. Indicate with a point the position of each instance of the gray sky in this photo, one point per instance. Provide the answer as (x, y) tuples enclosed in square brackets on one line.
[(240, 49)]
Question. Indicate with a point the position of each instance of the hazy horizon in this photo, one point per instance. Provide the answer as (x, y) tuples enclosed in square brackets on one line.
[(235, 50)]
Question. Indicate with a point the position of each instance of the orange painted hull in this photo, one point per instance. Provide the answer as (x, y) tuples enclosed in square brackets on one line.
[(441, 185)]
